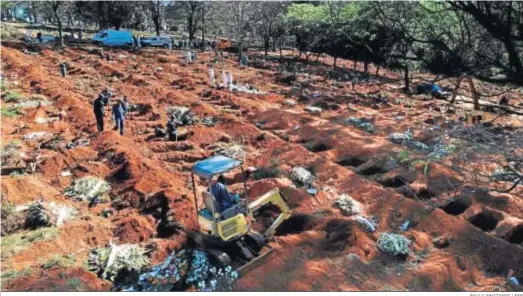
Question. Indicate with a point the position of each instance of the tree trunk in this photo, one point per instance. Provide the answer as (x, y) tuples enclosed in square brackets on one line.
[(273, 44), (366, 66), (377, 70), (318, 57), (406, 77), (266, 44), (334, 65), (354, 64), (456, 88), (33, 10), (203, 29), (60, 33), (281, 52), (157, 28), (190, 27), (475, 95), (240, 50)]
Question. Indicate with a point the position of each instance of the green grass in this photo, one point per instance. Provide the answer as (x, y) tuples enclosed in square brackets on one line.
[(7, 209), (15, 243), (267, 172), (75, 285), (404, 157), (59, 261), (9, 275), (16, 174), (13, 97), (271, 171), (11, 111)]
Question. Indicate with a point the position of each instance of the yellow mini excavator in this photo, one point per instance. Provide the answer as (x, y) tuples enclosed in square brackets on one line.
[(228, 236)]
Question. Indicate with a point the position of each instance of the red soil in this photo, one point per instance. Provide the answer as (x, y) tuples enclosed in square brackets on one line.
[(149, 174)]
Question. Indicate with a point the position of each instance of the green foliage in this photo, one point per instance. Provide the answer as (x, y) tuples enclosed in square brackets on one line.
[(11, 111), (59, 262), (130, 258), (13, 97), (75, 285), (87, 188), (8, 274), (393, 244), (16, 174), (7, 209), (15, 243), (267, 172), (308, 12), (12, 220), (272, 171), (404, 157)]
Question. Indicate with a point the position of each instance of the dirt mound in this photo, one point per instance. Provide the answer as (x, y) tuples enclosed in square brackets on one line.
[(462, 237)]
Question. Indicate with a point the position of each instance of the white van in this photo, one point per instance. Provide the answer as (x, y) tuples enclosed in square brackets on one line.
[(113, 38)]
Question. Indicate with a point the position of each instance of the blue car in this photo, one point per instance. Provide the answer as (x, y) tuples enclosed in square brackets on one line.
[(113, 38)]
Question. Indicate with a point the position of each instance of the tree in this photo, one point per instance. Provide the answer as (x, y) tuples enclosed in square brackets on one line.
[(235, 18), (503, 21), (7, 9), (498, 154), (268, 16), (155, 9), (309, 26), (57, 8), (119, 12), (192, 10)]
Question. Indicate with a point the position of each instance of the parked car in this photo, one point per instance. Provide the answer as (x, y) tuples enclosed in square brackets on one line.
[(158, 41), (113, 38), (45, 39)]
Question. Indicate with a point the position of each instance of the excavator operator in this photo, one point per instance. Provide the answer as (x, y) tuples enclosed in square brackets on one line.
[(222, 195)]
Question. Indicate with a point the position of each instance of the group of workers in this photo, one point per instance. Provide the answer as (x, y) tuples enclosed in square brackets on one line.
[(119, 110)]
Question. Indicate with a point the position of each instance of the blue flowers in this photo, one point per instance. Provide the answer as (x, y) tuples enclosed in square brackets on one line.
[(208, 278), (163, 277), (187, 267)]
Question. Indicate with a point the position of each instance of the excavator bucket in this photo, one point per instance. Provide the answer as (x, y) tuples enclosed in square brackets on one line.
[(275, 198), (243, 270)]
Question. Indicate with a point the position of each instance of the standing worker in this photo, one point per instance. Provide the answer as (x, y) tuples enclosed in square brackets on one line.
[(211, 75), (98, 107), (243, 60), (138, 42), (172, 126), (63, 69), (188, 57), (229, 79), (119, 116), (225, 78)]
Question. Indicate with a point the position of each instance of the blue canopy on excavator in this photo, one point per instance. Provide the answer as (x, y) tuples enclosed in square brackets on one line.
[(215, 165)]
